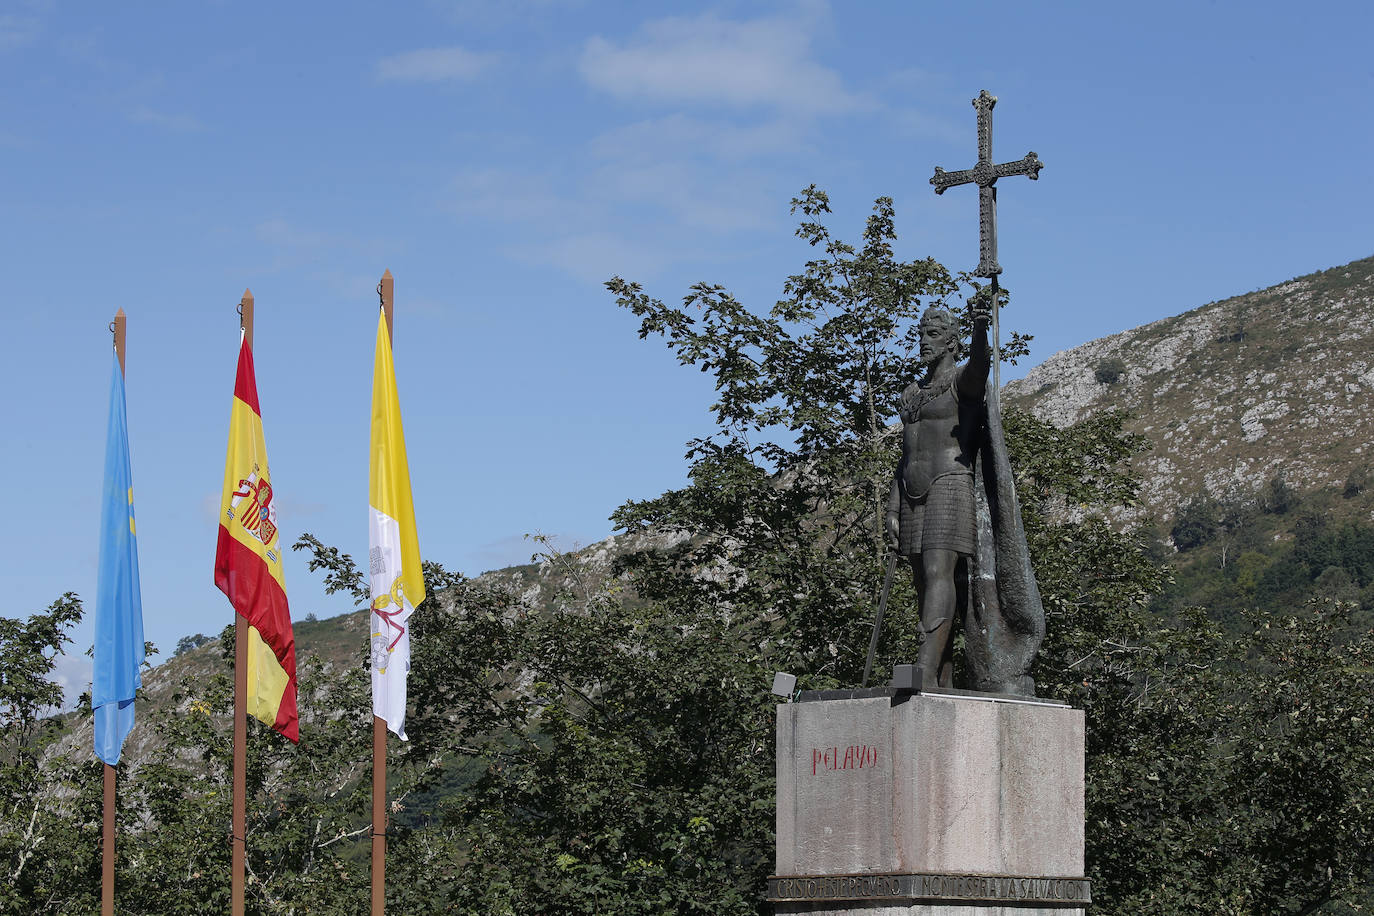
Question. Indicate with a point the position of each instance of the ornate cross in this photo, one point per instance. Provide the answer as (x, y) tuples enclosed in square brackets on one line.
[(985, 175)]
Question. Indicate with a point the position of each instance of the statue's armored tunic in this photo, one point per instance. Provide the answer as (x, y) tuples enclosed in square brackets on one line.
[(935, 476)]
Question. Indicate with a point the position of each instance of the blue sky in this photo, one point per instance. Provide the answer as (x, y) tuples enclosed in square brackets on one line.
[(503, 159)]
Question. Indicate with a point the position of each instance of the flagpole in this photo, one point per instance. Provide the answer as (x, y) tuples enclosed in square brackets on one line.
[(239, 824), (107, 859), (387, 290), (107, 829)]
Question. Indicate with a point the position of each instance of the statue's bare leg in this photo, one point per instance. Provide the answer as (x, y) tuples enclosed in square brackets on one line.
[(936, 592)]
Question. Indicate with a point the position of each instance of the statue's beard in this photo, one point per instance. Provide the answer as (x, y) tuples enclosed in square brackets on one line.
[(932, 361)]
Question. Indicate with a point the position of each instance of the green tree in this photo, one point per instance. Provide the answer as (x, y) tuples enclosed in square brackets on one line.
[(49, 796), (1277, 497), (187, 643), (1195, 522), (1109, 370)]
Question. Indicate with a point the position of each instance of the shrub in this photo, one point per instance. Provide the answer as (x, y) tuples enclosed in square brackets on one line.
[(1109, 370)]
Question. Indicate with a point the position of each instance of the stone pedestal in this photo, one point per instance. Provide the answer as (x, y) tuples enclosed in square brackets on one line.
[(942, 803)]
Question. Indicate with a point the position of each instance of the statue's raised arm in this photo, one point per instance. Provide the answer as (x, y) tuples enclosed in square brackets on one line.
[(973, 378)]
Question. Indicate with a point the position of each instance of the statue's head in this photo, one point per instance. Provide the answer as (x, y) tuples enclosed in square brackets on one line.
[(939, 331)]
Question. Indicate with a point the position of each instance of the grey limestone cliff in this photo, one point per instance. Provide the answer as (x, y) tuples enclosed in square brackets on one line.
[(1233, 393)]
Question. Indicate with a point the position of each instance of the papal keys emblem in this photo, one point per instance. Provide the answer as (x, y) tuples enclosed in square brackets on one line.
[(387, 608)]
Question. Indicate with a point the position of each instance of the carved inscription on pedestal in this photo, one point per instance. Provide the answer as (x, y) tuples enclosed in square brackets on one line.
[(852, 757), (926, 888)]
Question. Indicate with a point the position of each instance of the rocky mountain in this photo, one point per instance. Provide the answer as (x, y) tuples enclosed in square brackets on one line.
[(1230, 395), (1277, 382)]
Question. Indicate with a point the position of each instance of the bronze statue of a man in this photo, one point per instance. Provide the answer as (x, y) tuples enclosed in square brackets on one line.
[(952, 513)]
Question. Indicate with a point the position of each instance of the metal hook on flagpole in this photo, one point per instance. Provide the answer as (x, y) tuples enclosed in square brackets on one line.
[(112, 328)]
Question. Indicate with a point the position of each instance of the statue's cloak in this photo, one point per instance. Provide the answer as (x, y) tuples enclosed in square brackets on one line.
[(1004, 621)]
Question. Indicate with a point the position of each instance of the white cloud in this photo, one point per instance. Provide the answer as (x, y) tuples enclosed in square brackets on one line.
[(709, 60), (433, 65), (684, 183)]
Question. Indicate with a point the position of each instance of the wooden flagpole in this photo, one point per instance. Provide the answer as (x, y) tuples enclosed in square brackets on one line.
[(107, 829), (120, 326), (239, 824), (387, 290), (107, 857)]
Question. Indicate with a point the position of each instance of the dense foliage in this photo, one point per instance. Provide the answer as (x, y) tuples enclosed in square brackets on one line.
[(49, 796), (1272, 551), (599, 740)]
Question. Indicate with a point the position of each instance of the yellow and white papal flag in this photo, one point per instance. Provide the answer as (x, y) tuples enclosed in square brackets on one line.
[(394, 550)]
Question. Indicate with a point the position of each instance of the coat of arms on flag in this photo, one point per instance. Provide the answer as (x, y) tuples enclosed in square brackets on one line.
[(251, 502)]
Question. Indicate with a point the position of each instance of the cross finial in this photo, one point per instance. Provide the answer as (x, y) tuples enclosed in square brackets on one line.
[(985, 175)]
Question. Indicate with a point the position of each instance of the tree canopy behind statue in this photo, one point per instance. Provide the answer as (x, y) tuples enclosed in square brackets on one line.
[(806, 394)]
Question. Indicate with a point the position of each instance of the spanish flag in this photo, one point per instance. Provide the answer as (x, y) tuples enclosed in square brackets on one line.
[(394, 550), (248, 560)]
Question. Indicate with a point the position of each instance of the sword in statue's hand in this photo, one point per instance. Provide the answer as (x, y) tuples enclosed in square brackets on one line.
[(882, 609)]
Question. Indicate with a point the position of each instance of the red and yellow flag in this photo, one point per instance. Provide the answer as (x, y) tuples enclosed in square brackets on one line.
[(248, 560)]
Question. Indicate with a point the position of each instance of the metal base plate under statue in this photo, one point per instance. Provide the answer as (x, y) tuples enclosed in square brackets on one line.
[(937, 803)]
